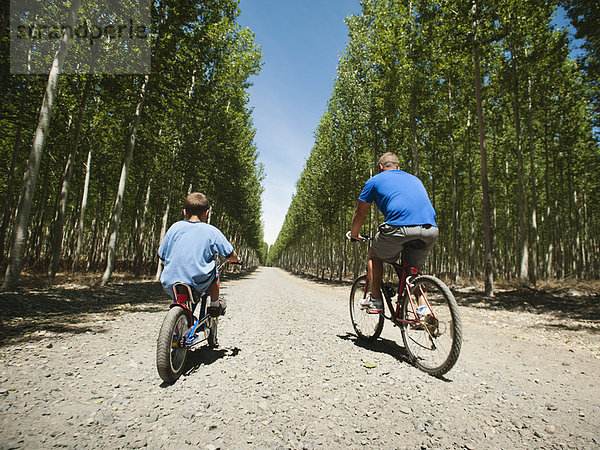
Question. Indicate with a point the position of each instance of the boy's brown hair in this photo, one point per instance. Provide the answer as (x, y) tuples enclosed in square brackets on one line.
[(196, 204)]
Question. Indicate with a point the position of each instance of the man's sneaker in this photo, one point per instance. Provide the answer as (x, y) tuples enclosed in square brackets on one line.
[(217, 308), (372, 305)]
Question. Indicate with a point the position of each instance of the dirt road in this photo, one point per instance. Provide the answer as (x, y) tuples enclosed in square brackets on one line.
[(289, 374)]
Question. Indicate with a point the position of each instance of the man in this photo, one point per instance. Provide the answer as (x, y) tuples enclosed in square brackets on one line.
[(409, 216)]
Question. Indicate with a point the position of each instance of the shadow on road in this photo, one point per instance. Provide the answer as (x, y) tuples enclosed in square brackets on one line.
[(30, 312), (387, 346), (319, 280), (205, 356), (562, 304), (580, 303), (39, 307), (381, 345)]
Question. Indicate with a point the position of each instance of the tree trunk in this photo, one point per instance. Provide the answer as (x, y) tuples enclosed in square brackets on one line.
[(485, 210), (57, 232), (8, 201), (15, 260), (471, 201), (116, 218), (523, 231), (533, 181), (140, 241), (413, 132), (165, 218), (84, 197), (547, 218), (454, 264)]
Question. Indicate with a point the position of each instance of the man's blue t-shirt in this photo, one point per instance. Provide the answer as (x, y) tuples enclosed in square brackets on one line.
[(401, 197), (188, 251)]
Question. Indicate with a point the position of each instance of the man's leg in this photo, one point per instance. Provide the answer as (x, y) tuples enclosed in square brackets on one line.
[(416, 256), (375, 270)]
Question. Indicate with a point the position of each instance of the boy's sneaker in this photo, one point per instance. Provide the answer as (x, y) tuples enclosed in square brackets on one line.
[(217, 308), (372, 305), (423, 311)]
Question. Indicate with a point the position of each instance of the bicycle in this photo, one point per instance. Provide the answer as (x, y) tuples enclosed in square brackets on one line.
[(432, 342), (188, 323)]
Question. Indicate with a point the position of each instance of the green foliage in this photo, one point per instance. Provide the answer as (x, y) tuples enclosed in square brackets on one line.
[(405, 84), (585, 17), (196, 133)]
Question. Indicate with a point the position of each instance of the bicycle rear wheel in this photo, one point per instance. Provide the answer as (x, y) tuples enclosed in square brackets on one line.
[(433, 344), (367, 326), (210, 331), (171, 355)]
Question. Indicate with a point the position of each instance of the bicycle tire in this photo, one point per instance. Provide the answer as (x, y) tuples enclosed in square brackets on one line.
[(211, 332), (434, 345), (171, 355), (367, 326)]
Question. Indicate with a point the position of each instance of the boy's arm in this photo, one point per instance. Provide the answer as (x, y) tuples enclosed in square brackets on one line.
[(223, 247), (233, 258)]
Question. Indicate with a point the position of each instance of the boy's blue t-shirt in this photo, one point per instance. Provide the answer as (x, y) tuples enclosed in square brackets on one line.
[(188, 251), (401, 197)]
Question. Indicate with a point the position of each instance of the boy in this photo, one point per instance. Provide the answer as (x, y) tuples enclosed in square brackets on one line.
[(188, 251)]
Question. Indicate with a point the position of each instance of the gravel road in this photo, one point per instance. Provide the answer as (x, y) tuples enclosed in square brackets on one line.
[(289, 373)]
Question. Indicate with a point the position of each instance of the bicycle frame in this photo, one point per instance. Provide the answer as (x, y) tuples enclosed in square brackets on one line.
[(184, 298), (405, 274)]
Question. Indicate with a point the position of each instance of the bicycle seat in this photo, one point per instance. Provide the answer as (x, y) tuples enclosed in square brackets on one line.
[(182, 292)]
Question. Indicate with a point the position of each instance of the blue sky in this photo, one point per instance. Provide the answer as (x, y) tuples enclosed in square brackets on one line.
[(301, 42)]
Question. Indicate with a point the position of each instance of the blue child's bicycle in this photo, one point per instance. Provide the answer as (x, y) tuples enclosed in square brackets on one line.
[(188, 323)]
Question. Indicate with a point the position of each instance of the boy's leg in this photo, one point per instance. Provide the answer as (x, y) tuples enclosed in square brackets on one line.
[(213, 290), (216, 305)]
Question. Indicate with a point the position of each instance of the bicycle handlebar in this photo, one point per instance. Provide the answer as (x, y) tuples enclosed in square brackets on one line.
[(224, 263), (362, 237)]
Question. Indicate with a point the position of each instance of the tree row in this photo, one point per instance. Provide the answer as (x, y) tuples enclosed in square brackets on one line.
[(120, 152), (485, 104)]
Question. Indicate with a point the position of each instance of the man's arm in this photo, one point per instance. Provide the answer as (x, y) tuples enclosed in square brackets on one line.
[(362, 208)]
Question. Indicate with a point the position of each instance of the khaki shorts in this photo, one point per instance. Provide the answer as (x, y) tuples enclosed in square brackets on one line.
[(412, 242)]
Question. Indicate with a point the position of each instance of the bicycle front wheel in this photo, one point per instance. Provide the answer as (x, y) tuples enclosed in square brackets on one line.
[(433, 343), (171, 354), (367, 326)]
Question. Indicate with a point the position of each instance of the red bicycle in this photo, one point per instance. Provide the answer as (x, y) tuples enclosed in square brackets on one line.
[(432, 341)]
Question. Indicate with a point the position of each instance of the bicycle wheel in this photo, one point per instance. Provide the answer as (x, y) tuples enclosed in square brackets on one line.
[(433, 345), (210, 331), (367, 326), (170, 352)]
